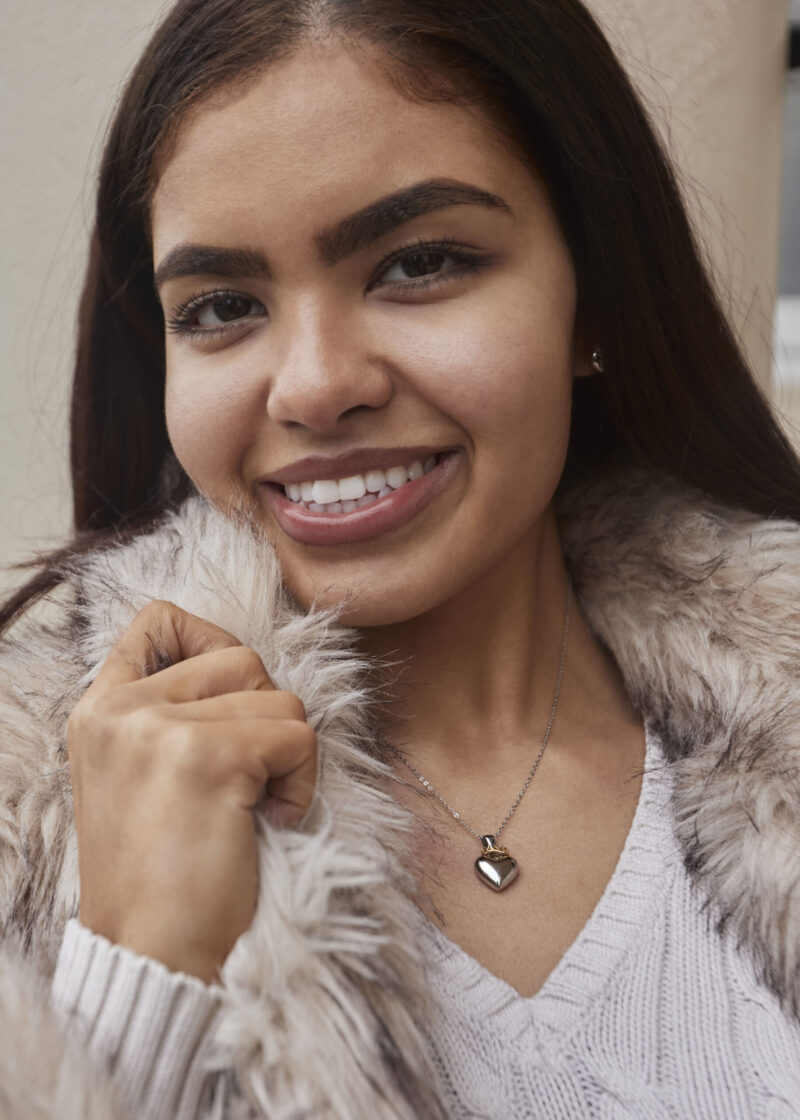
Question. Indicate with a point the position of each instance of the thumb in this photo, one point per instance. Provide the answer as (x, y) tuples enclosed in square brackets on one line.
[(161, 634)]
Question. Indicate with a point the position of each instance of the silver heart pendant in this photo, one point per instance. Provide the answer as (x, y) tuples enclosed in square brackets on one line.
[(495, 867)]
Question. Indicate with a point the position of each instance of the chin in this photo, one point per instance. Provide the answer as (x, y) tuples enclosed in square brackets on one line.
[(364, 607)]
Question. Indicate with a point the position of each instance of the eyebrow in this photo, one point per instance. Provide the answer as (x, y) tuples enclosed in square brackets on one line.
[(339, 241)]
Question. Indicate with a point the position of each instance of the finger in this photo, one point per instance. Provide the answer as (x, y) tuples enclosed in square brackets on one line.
[(234, 669), (260, 704), (161, 635), (276, 758), (288, 796)]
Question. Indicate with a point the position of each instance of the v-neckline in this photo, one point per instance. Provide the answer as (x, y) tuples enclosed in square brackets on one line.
[(630, 899)]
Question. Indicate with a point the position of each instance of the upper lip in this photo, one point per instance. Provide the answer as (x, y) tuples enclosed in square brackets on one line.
[(322, 467)]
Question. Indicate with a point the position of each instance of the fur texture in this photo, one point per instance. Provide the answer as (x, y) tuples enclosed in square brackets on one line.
[(325, 1006)]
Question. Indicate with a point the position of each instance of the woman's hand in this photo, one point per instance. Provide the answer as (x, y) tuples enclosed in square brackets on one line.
[(166, 769)]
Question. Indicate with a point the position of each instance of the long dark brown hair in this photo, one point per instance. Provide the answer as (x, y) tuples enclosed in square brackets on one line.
[(677, 394)]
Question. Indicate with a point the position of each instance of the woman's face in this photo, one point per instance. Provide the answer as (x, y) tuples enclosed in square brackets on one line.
[(309, 317)]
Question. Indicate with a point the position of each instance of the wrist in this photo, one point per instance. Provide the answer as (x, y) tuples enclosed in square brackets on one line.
[(177, 954)]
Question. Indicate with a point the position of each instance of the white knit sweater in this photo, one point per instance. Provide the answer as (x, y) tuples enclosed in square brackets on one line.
[(650, 1014)]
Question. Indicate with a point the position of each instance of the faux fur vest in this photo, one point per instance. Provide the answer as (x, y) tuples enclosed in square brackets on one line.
[(323, 995)]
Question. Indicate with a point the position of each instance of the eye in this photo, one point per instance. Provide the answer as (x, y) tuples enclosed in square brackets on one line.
[(423, 264), (415, 265), (212, 313), (224, 309)]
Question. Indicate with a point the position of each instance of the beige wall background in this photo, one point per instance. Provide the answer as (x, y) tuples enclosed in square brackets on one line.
[(63, 67), (711, 72)]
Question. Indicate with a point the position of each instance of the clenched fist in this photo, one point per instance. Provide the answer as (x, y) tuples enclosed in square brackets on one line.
[(166, 768)]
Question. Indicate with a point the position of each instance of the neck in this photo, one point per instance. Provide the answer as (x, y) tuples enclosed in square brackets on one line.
[(476, 676)]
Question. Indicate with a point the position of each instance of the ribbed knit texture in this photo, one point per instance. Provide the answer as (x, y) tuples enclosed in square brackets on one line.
[(650, 1014), (141, 1020)]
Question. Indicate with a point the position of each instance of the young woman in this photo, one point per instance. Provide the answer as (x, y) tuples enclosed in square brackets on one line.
[(416, 734)]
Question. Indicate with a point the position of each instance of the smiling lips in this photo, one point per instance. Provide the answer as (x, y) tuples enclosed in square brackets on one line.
[(359, 506), (358, 490)]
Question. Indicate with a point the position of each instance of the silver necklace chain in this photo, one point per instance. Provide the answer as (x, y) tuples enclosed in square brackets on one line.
[(535, 766)]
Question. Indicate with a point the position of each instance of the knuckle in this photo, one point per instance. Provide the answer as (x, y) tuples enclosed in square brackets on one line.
[(136, 734), (143, 725), (155, 616), (182, 753), (197, 764), (153, 630), (158, 608), (250, 658), (249, 663), (291, 704), (305, 737), (92, 709), (98, 726)]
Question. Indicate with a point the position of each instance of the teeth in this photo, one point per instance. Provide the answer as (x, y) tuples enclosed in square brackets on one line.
[(353, 488), (375, 481), (396, 476), (325, 492), (346, 494)]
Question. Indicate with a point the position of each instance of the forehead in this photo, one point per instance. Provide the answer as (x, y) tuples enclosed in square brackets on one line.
[(323, 129)]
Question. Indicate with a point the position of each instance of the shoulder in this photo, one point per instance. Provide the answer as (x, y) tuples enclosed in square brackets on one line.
[(644, 534), (700, 605), (699, 601)]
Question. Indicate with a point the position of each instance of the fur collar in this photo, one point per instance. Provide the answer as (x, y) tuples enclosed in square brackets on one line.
[(324, 997)]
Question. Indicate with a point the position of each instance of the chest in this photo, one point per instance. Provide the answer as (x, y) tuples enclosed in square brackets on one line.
[(566, 841)]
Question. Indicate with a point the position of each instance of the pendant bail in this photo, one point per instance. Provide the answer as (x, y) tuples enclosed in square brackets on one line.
[(490, 847)]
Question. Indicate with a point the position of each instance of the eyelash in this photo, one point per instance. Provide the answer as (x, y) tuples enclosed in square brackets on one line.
[(180, 321)]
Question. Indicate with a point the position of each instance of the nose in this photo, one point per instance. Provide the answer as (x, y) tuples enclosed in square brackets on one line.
[(324, 372)]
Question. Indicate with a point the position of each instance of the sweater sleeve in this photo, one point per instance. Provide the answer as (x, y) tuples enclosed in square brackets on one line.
[(148, 1026)]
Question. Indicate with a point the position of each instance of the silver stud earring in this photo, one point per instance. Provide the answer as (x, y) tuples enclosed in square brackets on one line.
[(597, 359)]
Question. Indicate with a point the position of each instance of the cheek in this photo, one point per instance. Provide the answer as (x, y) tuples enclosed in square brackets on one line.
[(505, 376), (207, 426)]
